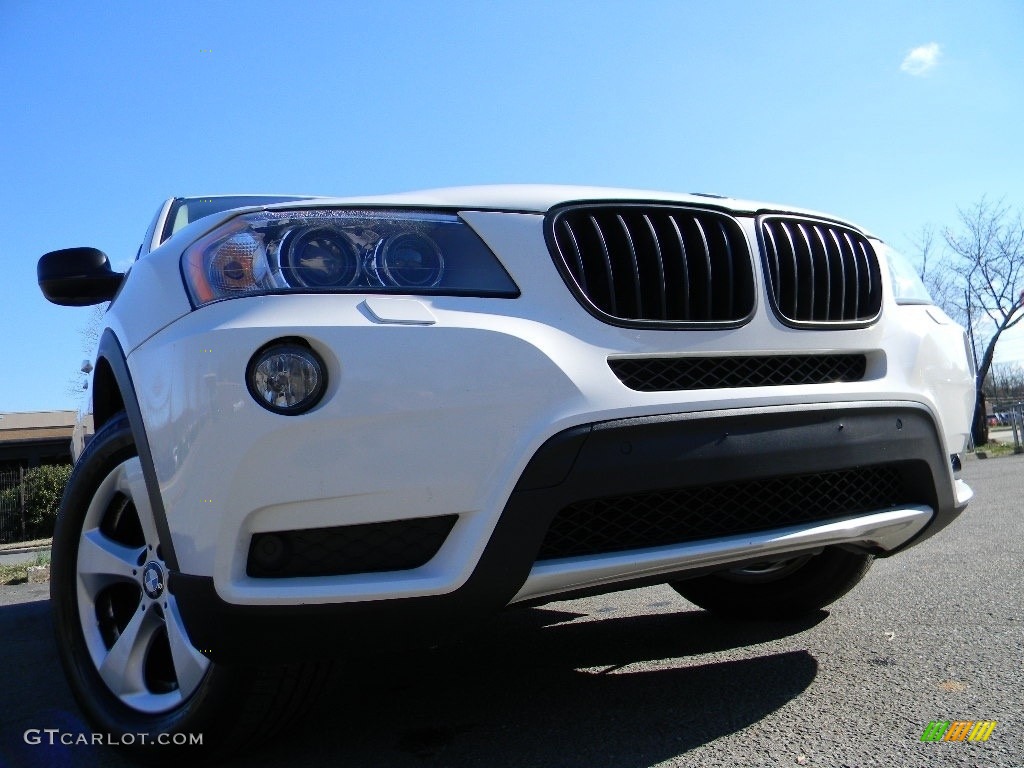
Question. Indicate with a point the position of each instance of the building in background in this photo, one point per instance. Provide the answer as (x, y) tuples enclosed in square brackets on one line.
[(39, 437)]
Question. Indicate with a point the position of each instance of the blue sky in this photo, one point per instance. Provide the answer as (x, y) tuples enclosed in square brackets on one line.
[(891, 114)]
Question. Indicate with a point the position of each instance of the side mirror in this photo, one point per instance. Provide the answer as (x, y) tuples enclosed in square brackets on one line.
[(77, 277)]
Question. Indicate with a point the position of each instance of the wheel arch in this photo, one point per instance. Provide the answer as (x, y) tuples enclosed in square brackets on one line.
[(106, 393), (113, 392)]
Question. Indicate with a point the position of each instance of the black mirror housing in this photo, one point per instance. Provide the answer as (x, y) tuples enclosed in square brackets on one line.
[(77, 277)]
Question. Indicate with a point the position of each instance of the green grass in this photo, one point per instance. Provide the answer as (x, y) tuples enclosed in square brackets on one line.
[(994, 449), (18, 574)]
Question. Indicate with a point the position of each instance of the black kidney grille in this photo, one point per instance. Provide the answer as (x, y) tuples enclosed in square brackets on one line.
[(820, 272), (396, 545), (661, 518), (643, 264), (667, 374)]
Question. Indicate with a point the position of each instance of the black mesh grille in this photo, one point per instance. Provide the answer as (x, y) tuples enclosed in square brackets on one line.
[(646, 264), (659, 518), (820, 272), (660, 374), (397, 545)]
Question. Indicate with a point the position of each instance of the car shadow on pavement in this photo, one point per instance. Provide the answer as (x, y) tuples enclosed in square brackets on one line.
[(532, 687), (34, 696)]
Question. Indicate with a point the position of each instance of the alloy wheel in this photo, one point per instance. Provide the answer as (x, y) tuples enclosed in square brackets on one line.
[(130, 621)]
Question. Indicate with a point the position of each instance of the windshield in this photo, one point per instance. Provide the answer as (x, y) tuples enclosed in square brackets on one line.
[(185, 210)]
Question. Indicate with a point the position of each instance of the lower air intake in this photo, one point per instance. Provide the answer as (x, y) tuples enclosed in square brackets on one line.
[(662, 518), (396, 545)]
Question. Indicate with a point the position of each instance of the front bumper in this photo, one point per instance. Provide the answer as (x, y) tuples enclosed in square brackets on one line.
[(426, 421), (718, 450)]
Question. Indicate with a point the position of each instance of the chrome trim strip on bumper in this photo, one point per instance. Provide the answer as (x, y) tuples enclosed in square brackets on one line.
[(886, 530)]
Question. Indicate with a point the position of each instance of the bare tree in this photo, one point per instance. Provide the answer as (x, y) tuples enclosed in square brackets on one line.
[(1005, 383), (987, 255), (90, 334), (936, 272), (978, 279)]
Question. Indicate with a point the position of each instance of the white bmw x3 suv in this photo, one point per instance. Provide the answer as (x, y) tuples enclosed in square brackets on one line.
[(323, 421)]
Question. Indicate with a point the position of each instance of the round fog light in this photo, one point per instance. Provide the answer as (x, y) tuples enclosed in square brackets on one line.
[(286, 378)]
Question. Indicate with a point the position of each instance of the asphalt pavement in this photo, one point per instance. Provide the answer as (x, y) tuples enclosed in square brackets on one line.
[(642, 678)]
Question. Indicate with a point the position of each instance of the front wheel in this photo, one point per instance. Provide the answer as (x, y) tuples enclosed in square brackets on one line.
[(782, 589), (120, 636)]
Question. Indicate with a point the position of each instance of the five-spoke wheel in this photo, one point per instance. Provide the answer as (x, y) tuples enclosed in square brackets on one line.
[(130, 620)]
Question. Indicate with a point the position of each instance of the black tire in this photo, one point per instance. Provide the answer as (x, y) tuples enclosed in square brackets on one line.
[(786, 589), (164, 687)]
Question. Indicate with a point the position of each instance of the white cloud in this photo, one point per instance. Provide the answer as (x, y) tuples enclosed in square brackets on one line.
[(921, 60)]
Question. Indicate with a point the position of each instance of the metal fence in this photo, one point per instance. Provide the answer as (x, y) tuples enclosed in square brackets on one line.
[(1009, 414), (12, 506)]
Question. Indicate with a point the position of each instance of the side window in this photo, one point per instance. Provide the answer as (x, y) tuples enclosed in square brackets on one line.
[(181, 218), (148, 238)]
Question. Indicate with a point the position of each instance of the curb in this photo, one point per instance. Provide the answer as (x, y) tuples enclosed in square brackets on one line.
[(26, 550), (22, 556)]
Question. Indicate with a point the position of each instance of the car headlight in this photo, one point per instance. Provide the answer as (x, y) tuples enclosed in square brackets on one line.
[(907, 286), (343, 251)]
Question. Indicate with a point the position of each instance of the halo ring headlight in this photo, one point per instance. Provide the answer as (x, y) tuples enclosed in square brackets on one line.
[(321, 258), (408, 260), (331, 250)]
